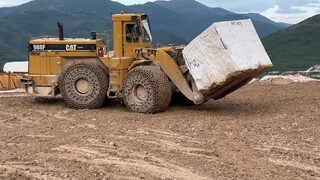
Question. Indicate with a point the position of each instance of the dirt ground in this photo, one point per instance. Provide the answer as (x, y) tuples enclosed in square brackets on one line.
[(259, 132)]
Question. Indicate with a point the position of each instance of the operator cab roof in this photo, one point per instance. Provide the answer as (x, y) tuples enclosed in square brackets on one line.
[(126, 17)]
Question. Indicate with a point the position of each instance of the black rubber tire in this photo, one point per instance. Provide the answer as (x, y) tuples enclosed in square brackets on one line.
[(97, 80), (156, 85)]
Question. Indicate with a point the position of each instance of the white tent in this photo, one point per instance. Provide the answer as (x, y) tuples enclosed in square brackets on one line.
[(21, 67)]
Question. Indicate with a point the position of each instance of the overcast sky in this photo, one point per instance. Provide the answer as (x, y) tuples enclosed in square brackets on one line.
[(290, 11)]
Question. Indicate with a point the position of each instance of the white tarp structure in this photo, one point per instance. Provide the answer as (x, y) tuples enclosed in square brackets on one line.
[(281, 79), (226, 54), (21, 67)]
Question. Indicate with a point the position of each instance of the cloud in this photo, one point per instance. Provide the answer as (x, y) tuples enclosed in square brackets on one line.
[(293, 6), (6, 4), (236, 6), (290, 11), (285, 6), (130, 2), (10, 3), (294, 15)]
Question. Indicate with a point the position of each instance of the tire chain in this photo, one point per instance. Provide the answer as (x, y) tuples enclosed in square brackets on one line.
[(156, 84), (93, 73)]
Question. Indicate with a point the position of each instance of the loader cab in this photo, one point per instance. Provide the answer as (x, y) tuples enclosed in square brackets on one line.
[(130, 31)]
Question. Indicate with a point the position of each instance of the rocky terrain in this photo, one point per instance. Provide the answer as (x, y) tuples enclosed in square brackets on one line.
[(262, 131)]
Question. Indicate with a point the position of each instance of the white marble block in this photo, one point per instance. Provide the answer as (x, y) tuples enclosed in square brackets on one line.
[(226, 53)]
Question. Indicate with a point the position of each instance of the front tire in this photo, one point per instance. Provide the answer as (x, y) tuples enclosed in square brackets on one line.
[(84, 86), (147, 89)]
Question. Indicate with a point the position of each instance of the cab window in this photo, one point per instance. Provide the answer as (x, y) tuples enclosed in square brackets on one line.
[(146, 31), (132, 33)]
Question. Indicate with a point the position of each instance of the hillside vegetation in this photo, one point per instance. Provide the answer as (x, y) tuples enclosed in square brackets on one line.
[(173, 22), (297, 47)]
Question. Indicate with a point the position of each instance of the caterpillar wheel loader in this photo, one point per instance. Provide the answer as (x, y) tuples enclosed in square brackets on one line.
[(87, 74)]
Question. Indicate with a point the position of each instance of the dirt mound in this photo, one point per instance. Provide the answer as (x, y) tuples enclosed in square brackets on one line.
[(315, 68), (281, 79), (258, 132)]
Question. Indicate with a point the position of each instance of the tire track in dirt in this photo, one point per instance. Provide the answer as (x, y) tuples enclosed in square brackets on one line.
[(166, 134), (56, 115), (295, 164), (8, 95), (30, 170), (9, 117), (301, 160), (101, 153), (132, 163), (172, 142)]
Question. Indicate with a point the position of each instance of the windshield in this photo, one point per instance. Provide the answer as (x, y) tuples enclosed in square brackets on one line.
[(146, 32)]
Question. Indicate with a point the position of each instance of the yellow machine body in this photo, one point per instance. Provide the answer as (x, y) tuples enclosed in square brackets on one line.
[(87, 74), (132, 44)]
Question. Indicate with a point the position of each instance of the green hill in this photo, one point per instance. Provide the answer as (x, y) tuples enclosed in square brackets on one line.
[(295, 48), (173, 22), (16, 30)]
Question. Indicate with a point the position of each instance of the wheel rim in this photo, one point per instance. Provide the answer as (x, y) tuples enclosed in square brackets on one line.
[(83, 86), (139, 93)]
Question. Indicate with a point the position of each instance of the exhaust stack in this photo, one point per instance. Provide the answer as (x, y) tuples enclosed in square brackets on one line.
[(61, 35)]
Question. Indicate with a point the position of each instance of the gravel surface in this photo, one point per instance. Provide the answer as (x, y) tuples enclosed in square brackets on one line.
[(258, 132)]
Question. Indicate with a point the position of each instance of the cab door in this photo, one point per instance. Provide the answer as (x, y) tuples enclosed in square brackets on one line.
[(131, 39)]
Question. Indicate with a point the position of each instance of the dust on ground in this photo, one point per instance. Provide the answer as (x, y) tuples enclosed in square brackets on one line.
[(258, 132)]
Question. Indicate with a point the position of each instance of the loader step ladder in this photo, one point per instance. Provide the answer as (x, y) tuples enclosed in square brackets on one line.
[(114, 89)]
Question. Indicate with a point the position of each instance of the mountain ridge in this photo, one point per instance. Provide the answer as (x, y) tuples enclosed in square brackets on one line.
[(170, 26), (297, 47)]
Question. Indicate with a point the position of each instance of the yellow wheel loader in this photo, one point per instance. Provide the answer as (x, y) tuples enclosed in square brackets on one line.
[(87, 74)]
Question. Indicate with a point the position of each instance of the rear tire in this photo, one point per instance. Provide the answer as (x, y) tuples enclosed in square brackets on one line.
[(84, 86), (147, 89)]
